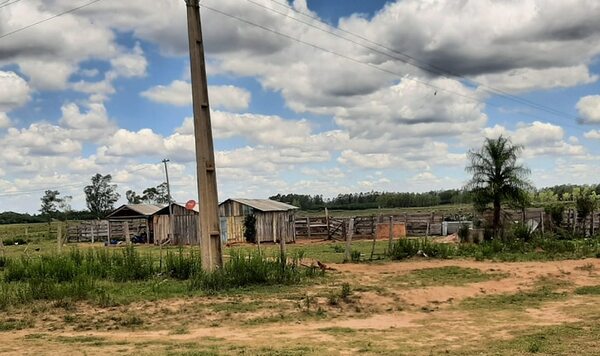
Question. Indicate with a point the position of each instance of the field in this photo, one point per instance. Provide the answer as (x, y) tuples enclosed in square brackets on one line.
[(419, 306)]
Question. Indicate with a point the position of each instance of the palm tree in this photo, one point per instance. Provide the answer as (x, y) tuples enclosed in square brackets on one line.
[(497, 177)]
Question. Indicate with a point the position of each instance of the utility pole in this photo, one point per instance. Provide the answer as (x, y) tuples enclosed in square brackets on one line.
[(208, 202), (170, 201)]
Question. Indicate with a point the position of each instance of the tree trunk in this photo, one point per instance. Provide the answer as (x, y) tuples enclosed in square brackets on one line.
[(496, 222)]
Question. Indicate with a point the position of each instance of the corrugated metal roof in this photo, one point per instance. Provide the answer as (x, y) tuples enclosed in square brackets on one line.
[(145, 209), (265, 204), (166, 207)]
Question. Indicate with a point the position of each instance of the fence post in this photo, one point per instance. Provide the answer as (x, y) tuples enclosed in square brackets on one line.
[(126, 232), (92, 227), (327, 222), (542, 221), (391, 237), (308, 226), (347, 256), (59, 237), (282, 250)]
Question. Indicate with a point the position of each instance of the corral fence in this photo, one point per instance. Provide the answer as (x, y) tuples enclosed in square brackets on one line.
[(435, 224)]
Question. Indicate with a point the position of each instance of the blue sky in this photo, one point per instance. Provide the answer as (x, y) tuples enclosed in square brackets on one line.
[(106, 89)]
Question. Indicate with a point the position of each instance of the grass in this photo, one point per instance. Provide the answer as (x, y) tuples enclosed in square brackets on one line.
[(588, 290), (450, 275), (119, 276), (520, 300), (570, 339)]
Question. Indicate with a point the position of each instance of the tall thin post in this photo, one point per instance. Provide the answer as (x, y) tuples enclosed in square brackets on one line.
[(209, 227), (327, 222), (164, 161), (59, 237), (348, 254), (391, 237)]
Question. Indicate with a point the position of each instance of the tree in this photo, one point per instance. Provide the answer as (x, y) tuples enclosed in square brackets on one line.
[(497, 177), (101, 196), (157, 195), (133, 197), (50, 203)]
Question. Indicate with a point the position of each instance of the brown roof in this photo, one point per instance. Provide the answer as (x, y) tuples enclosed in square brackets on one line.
[(139, 209), (264, 204)]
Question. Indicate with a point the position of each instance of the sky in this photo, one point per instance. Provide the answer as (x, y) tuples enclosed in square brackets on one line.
[(307, 96)]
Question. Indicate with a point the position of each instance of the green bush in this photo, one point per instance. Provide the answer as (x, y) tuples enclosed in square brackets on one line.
[(405, 248), (463, 232), (182, 266), (244, 270)]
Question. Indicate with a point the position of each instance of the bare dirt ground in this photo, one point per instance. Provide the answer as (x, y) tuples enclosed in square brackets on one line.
[(383, 314)]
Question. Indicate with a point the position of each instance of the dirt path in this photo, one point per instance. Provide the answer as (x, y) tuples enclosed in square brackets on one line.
[(378, 316)]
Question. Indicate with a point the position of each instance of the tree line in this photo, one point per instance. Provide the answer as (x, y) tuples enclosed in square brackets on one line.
[(374, 200), (100, 197)]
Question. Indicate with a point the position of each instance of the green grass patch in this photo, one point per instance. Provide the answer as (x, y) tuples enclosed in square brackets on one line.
[(10, 324), (570, 339), (520, 300), (449, 275), (337, 330), (588, 290)]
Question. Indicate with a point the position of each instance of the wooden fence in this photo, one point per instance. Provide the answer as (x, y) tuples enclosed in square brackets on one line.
[(431, 224)]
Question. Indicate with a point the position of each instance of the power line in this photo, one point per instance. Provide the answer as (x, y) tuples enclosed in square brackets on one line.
[(396, 74), (7, 3), (408, 59), (48, 18), (25, 192)]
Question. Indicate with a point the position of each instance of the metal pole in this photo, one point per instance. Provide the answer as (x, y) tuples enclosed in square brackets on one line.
[(209, 228), (170, 200)]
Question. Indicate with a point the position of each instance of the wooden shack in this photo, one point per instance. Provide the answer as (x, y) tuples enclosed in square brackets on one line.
[(274, 220), (185, 225), (132, 220)]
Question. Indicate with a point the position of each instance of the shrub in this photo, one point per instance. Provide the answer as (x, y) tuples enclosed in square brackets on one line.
[(244, 270), (405, 248), (463, 232), (250, 228), (521, 232), (355, 256), (14, 241), (182, 266)]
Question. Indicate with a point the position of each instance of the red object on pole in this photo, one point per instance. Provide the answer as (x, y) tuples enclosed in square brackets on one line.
[(190, 205)]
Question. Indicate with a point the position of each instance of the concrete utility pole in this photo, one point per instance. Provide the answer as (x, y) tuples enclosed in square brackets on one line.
[(164, 161), (209, 226)]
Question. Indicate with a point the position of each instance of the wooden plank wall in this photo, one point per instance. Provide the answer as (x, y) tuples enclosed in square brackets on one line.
[(235, 229), (271, 226), (82, 231)]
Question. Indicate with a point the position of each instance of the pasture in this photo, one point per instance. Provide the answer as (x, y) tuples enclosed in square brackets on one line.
[(419, 298)]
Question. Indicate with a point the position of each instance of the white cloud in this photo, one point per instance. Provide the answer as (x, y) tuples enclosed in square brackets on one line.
[(92, 125), (179, 93), (4, 121), (229, 97), (592, 135), (124, 143), (14, 91), (539, 139), (526, 79), (589, 109)]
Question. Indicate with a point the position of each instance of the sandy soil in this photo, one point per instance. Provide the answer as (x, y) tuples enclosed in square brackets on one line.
[(378, 312)]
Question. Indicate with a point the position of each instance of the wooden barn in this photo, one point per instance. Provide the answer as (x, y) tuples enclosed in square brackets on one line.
[(131, 221), (185, 225), (274, 220)]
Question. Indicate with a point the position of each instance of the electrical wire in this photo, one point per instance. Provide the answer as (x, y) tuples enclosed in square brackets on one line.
[(408, 59), (368, 64), (26, 192), (47, 19), (7, 3)]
